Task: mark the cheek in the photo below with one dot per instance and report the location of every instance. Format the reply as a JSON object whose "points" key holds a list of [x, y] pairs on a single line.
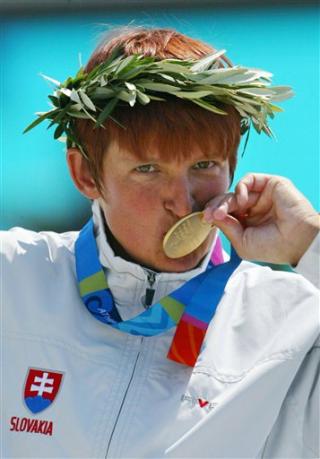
{"points": [[223, 181], [222, 184], [132, 213], [212, 187], [133, 200], [143, 203]]}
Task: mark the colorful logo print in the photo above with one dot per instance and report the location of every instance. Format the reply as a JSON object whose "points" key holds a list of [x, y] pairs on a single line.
{"points": [[41, 388]]}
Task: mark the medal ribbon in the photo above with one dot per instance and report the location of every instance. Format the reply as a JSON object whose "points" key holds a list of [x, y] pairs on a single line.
{"points": [[190, 307]]}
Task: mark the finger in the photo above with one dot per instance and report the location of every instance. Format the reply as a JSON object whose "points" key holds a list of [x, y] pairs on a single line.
{"points": [[219, 207], [246, 200], [233, 230], [254, 182], [250, 183], [242, 194], [223, 205], [264, 185]]}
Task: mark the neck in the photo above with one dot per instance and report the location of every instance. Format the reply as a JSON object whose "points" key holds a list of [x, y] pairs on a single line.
{"points": [[118, 249]]}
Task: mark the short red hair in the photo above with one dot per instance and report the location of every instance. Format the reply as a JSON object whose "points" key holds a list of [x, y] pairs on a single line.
{"points": [[173, 126]]}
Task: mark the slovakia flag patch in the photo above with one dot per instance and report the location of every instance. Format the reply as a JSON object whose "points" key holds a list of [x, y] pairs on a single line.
{"points": [[41, 388]]}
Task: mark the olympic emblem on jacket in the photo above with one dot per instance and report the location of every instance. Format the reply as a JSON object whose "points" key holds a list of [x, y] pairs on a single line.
{"points": [[41, 388]]}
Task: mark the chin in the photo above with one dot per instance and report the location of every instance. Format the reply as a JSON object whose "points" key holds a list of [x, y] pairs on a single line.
{"points": [[186, 263], [192, 260], [160, 262]]}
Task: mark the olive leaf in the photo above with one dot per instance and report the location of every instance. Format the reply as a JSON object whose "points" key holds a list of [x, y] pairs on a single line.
{"points": [[122, 80]]}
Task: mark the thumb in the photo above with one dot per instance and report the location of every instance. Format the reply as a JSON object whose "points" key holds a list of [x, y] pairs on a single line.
{"points": [[232, 229]]}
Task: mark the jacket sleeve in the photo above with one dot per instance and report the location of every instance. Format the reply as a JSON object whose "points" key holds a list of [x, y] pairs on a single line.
{"points": [[295, 434], [309, 265]]}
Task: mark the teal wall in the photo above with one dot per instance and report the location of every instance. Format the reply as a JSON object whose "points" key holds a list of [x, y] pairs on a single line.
{"points": [[37, 192]]}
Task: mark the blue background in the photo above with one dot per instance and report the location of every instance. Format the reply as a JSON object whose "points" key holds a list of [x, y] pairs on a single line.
{"points": [[37, 192]]}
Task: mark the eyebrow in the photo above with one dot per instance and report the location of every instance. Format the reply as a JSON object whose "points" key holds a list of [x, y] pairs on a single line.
{"points": [[142, 157], [148, 157]]}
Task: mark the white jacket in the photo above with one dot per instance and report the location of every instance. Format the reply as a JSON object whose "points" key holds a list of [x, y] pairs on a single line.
{"points": [[253, 392]]}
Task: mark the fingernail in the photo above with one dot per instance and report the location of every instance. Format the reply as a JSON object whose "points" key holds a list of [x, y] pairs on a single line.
{"points": [[219, 214], [207, 215]]}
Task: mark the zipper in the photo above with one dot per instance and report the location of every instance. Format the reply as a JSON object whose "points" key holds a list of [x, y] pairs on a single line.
{"points": [[123, 400], [146, 301], [148, 297]]}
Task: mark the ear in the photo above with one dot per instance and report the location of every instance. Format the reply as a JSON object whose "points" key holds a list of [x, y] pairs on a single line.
{"points": [[81, 175]]}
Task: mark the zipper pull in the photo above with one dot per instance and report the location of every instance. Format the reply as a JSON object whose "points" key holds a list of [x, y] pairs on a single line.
{"points": [[148, 297]]}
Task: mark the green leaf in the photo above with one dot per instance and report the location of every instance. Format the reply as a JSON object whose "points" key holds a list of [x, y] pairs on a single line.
{"points": [[86, 100], [55, 82], [75, 97], [103, 93], [241, 78], [160, 87], [130, 86], [206, 62], [76, 107], [182, 63], [111, 104], [242, 112], [39, 120], [112, 59], [92, 118], [117, 122], [124, 64], [54, 100], [80, 74], [281, 93], [103, 81], [209, 107], [192, 94], [275, 108], [170, 68], [129, 97], [247, 129], [257, 92], [261, 73], [216, 90], [59, 130], [65, 91], [268, 131], [218, 75], [142, 98], [248, 109], [167, 77], [160, 99], [133, 73], [61, 114], [247, 101], [75, 114], [51, 124]]}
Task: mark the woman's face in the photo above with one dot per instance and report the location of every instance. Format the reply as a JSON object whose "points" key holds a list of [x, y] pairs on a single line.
{"points": [[141, 200]]}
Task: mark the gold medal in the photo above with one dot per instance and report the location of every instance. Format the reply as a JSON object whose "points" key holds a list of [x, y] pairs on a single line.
{"points": [[186, 235]]}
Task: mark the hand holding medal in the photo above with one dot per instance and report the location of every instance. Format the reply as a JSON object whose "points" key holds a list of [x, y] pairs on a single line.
{"points": [[258, 218]]}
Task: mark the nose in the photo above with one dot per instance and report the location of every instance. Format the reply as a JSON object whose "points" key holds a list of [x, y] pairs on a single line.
{"points": [[178, 196]]}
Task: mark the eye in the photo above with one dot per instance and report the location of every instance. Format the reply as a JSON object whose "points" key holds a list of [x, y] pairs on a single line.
{"points": [[146, 168], [204, 165]]}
